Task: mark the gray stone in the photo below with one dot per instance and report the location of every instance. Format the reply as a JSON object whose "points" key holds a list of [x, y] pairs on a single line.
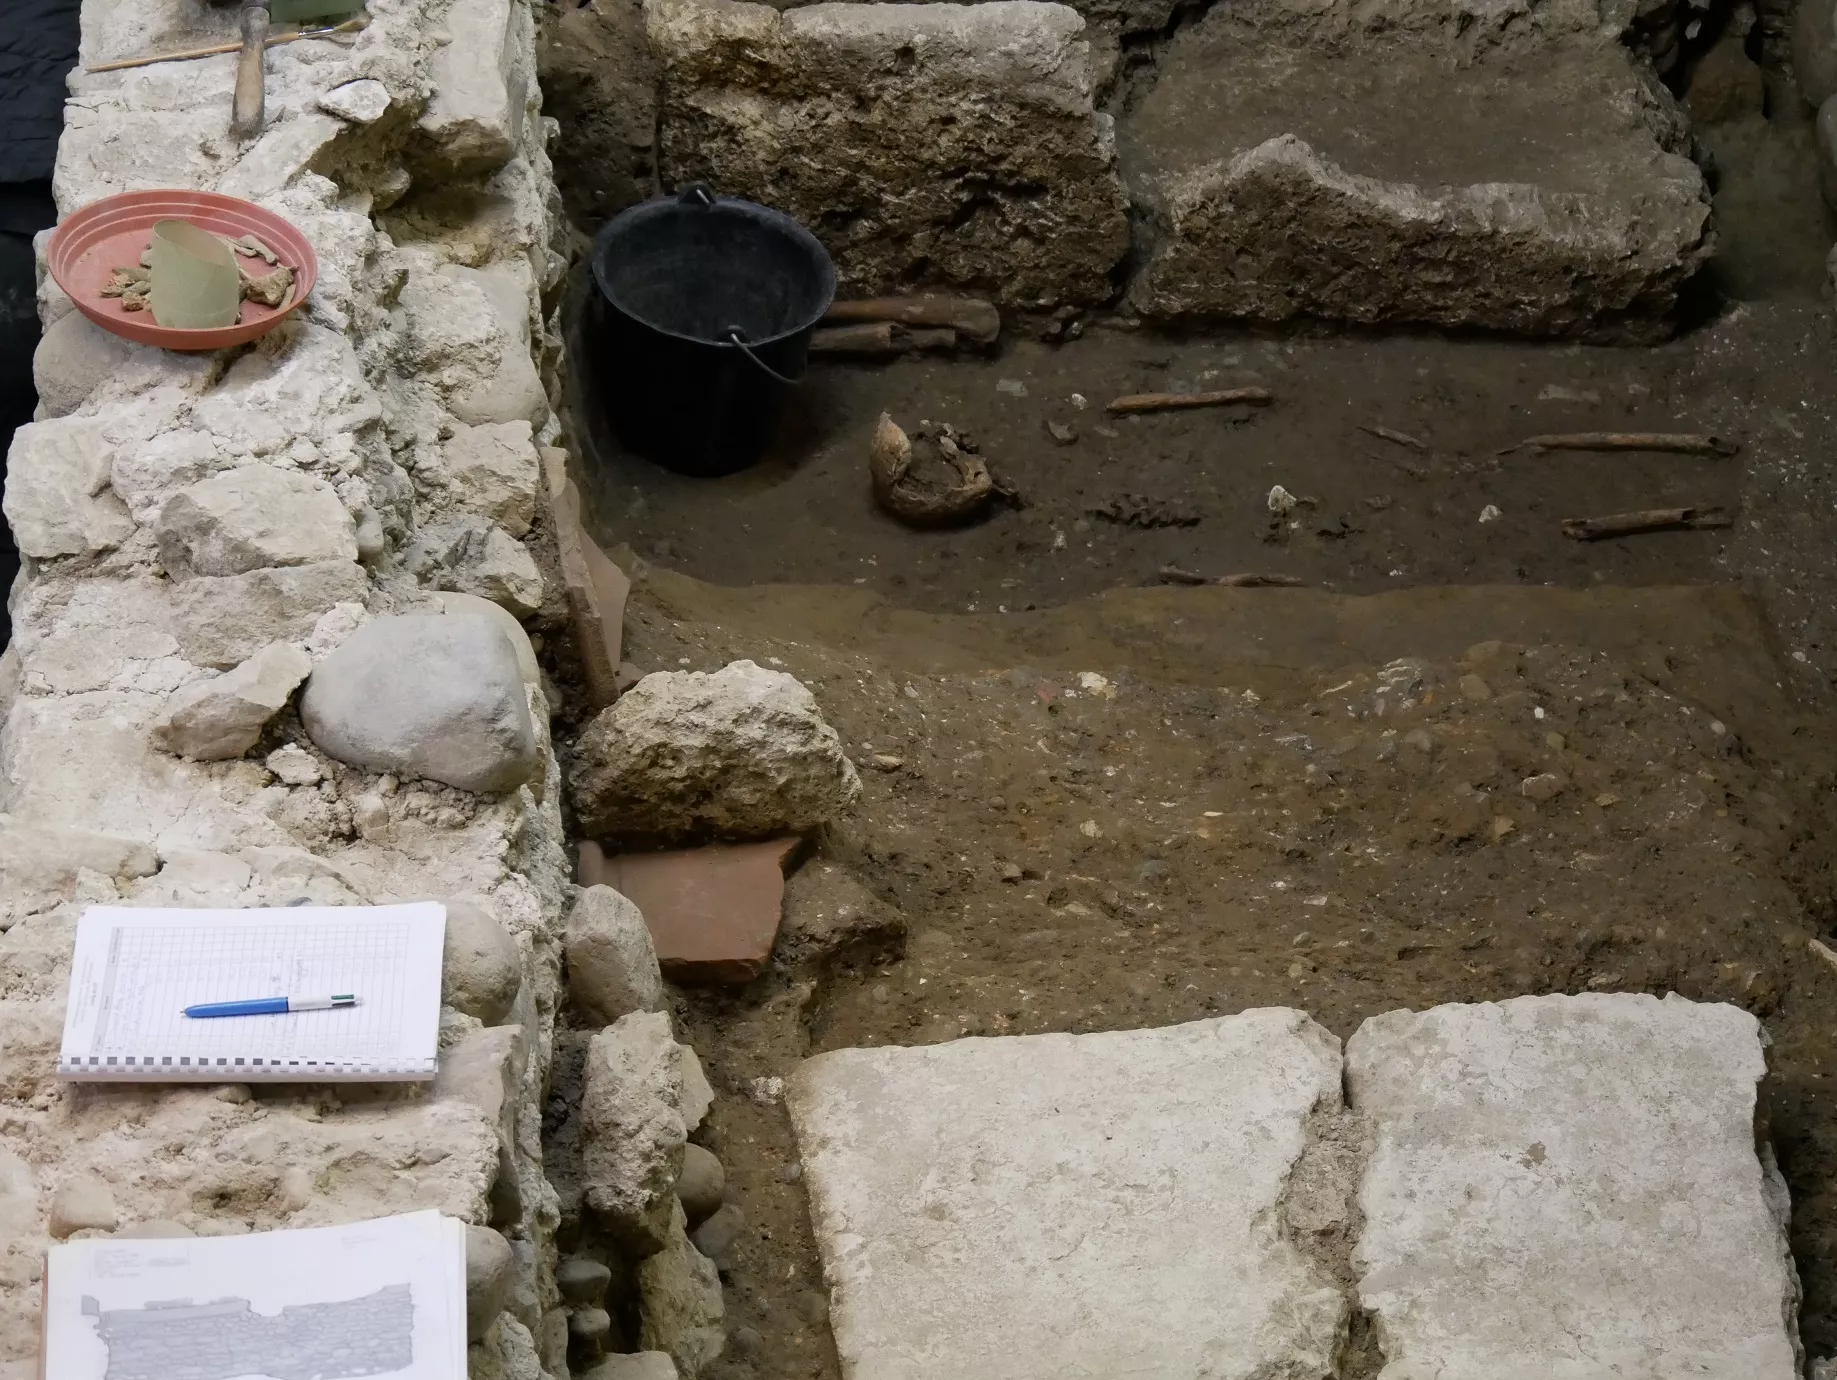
{"points": [[717, 1237], [680, 1309], [1305, 167], [454, 602], [493, 472], [702, 1186], [438, 696], [293, 765], [252, 517], [612, 965], [1053, 1205], [1814, 50], [632, 1132], [223, 717], [473, 556], [490, 1270], [589, 1325], [223, 619], [481, 967], [82, 1203], [58, 500], [583, 1282], [904, 184], [74, 356], [639, 1365], [742, 752], [1626, 1227]]}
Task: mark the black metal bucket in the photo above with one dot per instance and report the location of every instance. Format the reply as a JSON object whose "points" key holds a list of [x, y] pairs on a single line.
{"points": [[701, 326]]}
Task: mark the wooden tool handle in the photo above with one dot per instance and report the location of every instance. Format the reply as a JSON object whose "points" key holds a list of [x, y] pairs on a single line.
{"points": [[247, 109]]}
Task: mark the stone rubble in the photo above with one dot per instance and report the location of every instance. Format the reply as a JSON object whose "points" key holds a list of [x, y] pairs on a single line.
{"points": [[742, 752], [222, 717], [612, 965], [960, 143], [187, 518], [633, 1130]]}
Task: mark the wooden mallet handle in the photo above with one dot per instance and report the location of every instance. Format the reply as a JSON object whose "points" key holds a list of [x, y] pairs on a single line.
{"points": [[247, 109]]}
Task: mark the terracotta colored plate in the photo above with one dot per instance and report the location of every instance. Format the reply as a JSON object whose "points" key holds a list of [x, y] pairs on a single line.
{"points": [[115, 231]]}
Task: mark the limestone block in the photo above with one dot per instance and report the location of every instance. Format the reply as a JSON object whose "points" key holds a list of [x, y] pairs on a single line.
{"points": [[481, 967], [466, 331], [75, 357], [742, 751], [493, 471], [250, 518], [82, 1203], [489, 1270], [612, 965], [474, 119], [956, 145], [680, 1309], [1055, 1205], [1293, 171], [220, 620], [438, 696], [632, 1131], [472, 556], [454, 602], [697, 1095], [58, 501], [222, 717], [39, 865], [1627, 1227]]}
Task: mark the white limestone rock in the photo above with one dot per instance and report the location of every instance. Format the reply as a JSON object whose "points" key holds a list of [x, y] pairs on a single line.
{"points": [[632, 1132], [1568, 1186], [472, 556], [58, 501], [742, 752], [466, 333], [82, 1203], [481, 967], [223, 716], [481, 81], [220, 620], [1050, 1205], [493, 470], [697, 1095], [40, 865], [293, 765], [612, 964], [438, 696], [250, 518], [361, 102]]}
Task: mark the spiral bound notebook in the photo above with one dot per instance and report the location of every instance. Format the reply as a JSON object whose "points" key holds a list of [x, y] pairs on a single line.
{"points": [[136, 970]]}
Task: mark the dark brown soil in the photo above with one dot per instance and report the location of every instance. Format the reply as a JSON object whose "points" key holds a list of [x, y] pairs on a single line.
{"points": [[1275, 797]]}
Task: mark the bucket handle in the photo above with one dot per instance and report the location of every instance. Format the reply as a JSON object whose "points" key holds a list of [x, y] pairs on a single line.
{"points": [[737, 338], [696, 193]]}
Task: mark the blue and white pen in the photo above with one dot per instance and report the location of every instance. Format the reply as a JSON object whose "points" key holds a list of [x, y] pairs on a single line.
{"points": [[268, 1006]]}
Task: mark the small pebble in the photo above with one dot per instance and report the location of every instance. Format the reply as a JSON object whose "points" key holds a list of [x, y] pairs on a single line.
{"points": [[1473, 688], [1014, 388], [1556, 740], [1544, 786], [1011, 872], [746, 1342], [1061, 433], [886, 761], [716, 1237]]}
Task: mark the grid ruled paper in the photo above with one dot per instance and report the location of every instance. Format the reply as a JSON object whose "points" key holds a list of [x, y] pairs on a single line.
{"points": [[135, 970]]}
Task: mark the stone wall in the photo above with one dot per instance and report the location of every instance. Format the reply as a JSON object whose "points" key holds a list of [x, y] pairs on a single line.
{"points": [[198, 530]]}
